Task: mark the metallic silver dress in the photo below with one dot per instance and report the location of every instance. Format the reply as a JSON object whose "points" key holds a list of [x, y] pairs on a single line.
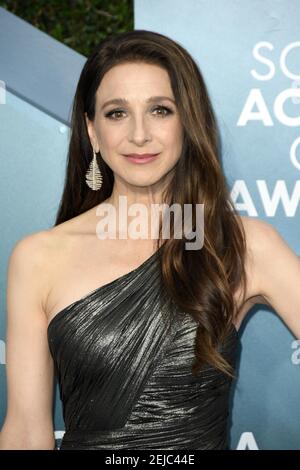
{"points": [[122, 356]]}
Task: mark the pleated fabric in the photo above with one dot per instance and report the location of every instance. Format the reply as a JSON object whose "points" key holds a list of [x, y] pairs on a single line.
{"points": [[123, 356]]}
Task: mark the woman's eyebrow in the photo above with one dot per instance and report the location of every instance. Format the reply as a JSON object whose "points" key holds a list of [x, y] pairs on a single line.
{"points": [[123, 101]]}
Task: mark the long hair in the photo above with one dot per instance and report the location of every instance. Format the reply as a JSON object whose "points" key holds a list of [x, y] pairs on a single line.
{"points": [[201, 282]]}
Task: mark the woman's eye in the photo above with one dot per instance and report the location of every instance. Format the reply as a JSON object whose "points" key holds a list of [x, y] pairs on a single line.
{"points": [[163, 108], [111, 113], [116, 112]]}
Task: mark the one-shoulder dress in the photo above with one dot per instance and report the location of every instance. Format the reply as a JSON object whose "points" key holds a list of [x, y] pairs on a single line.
{"points": [[122, 357]]}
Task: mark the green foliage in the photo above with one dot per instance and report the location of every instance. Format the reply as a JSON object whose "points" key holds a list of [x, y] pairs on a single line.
{"points": [[79, 24]]}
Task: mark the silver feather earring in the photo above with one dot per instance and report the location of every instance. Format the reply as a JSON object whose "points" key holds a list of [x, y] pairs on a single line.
{"points": [[93, 176]]}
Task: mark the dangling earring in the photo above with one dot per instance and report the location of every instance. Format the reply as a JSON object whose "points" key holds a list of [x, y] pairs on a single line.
{"points": [[93, 176]]}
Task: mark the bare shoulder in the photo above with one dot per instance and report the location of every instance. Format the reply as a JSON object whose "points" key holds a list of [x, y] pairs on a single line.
{"points": [[31, 247], [28, 260], [30, 251], [34, 263], [39, 247], [34, 249], [256, 229]]}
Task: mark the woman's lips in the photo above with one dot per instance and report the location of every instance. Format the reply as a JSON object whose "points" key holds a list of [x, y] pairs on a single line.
{"points": [[141, 158]]}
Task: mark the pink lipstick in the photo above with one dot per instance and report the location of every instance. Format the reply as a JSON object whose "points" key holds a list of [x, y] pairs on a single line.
{"points": [[141, 158]]}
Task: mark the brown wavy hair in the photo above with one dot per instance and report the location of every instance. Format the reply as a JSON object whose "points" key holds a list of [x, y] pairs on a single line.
{"points": [[201, 282]]}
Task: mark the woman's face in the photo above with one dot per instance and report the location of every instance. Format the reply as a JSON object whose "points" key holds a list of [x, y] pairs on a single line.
{"points": [[137, 125]]}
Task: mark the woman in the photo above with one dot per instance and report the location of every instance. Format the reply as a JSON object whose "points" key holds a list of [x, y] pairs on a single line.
{"points": [[142, 336]]}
